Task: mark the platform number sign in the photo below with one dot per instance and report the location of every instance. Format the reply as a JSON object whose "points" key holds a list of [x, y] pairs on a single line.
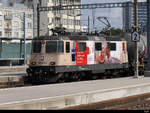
{"points": [[135, 36]]}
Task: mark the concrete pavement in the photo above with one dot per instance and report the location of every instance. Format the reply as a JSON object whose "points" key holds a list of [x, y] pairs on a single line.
{"points": [[71, 94]]}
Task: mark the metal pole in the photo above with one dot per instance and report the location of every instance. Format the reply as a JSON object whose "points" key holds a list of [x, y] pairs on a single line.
{"points": [[93, 16], [60, 4], [110, 32], [136, 43], [74, 23], [34, 22], [88, 24], [24, 38], [1, 42], [38, 21], [21, 48], [148, 35]]}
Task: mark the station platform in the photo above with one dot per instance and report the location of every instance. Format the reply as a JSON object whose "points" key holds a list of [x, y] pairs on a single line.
{"points": [[12, 76], [11, 79], [57, 96], [13, 69]]}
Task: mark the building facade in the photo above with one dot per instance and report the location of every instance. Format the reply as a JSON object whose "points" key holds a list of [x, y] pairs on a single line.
{"points": [[12, 22], [128, 17], [69, 19]]}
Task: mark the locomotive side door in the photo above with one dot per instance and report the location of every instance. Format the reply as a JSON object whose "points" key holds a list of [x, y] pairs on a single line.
{"points": [[67, 58]]}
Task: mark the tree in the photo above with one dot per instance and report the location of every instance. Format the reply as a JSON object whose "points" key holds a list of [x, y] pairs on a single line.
{"points": [[112, 32], [117, 31]]}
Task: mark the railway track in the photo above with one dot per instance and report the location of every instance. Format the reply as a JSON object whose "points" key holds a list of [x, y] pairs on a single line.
{"points": [[137, 102], [14, 84], [25, 82]]}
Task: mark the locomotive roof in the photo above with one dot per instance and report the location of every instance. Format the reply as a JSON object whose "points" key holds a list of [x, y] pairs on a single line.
{"points": [[82, 38]]}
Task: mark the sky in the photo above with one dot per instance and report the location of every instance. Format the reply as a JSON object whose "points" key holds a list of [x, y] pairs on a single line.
{"points": [[114, 15]]}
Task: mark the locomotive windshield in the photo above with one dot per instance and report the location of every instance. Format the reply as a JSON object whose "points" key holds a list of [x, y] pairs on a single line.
{"points": [[36, 46], [54, 47]]}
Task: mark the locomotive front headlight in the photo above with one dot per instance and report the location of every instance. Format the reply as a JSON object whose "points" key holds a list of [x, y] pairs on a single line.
{"points": [[33, 63], [52, 63]]}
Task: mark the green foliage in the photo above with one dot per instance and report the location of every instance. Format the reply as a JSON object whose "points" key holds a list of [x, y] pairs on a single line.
{"points": [[112, 32], [116, 31]]}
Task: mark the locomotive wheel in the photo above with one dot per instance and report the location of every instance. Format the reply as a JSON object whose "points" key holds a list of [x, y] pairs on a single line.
{"points": [[95, 77]]}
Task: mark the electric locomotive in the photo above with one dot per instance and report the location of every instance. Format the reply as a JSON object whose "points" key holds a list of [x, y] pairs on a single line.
{"points": [[65, 58]]}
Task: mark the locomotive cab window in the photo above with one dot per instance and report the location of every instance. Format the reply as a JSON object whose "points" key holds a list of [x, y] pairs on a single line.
{"points": [[67, 47], [54, 47], [98, 46], [82, 46], [60, 47], [36, 45], [112, 46]]}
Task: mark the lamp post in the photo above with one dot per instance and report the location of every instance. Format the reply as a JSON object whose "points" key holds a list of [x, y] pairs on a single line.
{"points": [[25, 52]]}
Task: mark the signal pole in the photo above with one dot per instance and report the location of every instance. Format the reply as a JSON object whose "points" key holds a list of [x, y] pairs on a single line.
{"points": [[88, 24], [147, 72], [136, 43]]}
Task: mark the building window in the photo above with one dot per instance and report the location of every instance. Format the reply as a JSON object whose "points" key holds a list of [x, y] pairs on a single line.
{"points": [[7, 24], [29, 16], [8, 13], [1, 23], [29, 25], [0, 33], [22, 34], [22, 26], [1, 13], [16, 24], [16, 14], [8, 34], [29, 35], [16, 34]]}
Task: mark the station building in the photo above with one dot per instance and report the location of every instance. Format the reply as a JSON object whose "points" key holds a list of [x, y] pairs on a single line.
{"points": [[12, 22], [69, 19]]}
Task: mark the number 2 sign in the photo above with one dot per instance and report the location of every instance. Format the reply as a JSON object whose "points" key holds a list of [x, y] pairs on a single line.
{"points": [[135, 36]]}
